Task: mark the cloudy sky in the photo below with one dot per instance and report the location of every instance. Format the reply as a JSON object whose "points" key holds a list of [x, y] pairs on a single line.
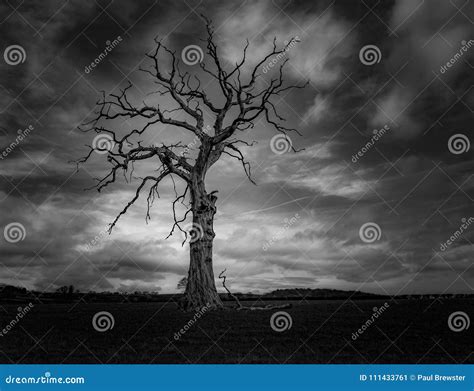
{"points": [[301, 225]]}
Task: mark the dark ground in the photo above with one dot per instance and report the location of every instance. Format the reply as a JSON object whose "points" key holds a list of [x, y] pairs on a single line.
{"points": [[409, 331]]}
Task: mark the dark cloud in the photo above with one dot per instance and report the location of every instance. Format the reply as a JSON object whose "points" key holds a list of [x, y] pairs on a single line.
{"points": [[300, 226]]}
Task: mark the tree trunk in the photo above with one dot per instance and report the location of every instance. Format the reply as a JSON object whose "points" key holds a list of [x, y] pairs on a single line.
{"points": [[200, 288]]}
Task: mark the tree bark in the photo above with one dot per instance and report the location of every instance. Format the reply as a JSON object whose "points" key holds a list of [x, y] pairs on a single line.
{"points": [[201, 289]]}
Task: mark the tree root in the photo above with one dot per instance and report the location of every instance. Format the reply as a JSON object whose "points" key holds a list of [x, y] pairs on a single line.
{"points": [[241, 307]]}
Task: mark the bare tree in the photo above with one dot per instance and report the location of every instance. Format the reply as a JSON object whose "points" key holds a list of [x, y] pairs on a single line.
{"points": [[245, 97]]}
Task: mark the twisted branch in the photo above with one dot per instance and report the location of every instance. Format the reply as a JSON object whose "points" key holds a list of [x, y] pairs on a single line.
{"points": [[253, 98]]}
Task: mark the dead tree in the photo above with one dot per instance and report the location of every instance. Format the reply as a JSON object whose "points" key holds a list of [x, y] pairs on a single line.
{"points": [[245, 97]]}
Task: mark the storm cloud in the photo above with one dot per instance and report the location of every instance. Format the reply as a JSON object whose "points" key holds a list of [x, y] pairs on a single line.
{"points": [[300, 225]]}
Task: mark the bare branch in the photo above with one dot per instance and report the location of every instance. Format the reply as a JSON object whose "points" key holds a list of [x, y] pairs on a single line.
{"points": [[239, 307], [240, 157], [223, 277], [243, 103]]}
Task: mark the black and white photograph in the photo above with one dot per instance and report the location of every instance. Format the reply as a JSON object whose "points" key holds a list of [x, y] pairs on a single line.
{"points": [[236, 182]]}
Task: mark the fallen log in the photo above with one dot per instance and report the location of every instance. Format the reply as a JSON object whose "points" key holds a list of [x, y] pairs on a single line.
{"points": [[241, 307]]}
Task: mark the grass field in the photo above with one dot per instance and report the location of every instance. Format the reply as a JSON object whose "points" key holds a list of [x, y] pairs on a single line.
{"points": [[409, 331]]}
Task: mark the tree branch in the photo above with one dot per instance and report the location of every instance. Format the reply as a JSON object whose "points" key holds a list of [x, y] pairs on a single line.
{"points": [[243, 103]]}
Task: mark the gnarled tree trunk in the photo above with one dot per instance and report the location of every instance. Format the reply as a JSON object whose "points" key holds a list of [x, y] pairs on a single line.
{"points": [[201, 288]]}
